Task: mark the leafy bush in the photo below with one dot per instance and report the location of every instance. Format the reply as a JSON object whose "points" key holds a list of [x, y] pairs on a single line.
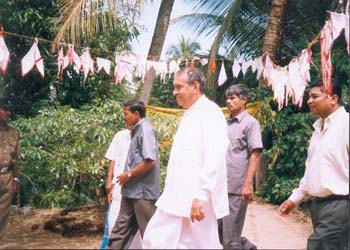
{"points": [[162, 92], [62, 152], [286, 158]]}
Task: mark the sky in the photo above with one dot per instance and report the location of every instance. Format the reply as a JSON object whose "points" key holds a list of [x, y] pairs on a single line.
{"points": [[148, 19]]}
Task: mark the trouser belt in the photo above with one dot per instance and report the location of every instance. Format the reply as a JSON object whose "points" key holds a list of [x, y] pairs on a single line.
{"points": [[333, 197]]}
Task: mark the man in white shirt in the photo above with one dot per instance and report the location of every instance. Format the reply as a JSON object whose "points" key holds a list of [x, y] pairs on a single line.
{"points": [[195, 192], [117, 153], [326, 176]]}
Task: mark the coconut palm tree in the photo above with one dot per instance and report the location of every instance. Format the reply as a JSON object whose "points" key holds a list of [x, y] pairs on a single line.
{"points": [[185, 48], [249, 28], [80, 20], [274, 29], [156, 47]]}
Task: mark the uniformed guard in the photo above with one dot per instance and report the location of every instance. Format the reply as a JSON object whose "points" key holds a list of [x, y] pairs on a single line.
{"points": [[9, 150]]}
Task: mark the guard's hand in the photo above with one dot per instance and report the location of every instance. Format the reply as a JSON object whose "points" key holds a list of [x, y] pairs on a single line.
{"points": [[123, 178], [286, 207], [197, 210], [110, 195], [109, 186], [15, 186], [247, 192]]}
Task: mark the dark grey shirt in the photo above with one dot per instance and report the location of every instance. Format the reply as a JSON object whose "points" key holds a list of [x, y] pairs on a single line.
{"points": [[244, 136], [143, 145]]}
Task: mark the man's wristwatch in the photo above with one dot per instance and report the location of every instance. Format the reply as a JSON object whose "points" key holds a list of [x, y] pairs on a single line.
{"points": [[16, 179], [129, 174]]}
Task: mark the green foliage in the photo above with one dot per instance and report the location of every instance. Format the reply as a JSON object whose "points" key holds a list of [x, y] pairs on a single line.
{"points": [[279, 187], [165, 128], [286, 135], [39, 19], [286, 158], [162, 93], [62, 152], [34, 19], [185, 48]]}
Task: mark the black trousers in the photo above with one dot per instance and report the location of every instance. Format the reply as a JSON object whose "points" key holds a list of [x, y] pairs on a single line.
{"points": [[330, 220], [134, 214]]}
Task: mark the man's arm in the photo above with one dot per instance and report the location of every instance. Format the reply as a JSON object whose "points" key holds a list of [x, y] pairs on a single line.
{"points": [[253, 164], [15, 183], [109, 185], [300, 193], [140, 169]]}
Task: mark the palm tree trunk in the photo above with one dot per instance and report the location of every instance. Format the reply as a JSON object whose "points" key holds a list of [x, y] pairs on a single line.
{"points": [[156, 47], [274, 28], [271, 43]]}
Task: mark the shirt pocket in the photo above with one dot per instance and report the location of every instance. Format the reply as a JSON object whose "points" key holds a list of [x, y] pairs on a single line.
{"points": [[12, 142], [239, 144]]}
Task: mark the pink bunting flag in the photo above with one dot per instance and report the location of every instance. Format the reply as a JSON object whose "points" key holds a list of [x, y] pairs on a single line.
{"points": [[103, 64], [4, 55], [236, 68], [31, 59], [173, 67], [60, 62], [70, 58], [222, 76], [87, 63], [326, 43]]}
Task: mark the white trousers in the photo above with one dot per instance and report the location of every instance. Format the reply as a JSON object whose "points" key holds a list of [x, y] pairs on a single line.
{"points": [[113, 215], [167, 231]]}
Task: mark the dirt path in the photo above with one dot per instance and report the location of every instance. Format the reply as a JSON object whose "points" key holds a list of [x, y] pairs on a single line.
{"points": [[263, 226], [267, 230]]}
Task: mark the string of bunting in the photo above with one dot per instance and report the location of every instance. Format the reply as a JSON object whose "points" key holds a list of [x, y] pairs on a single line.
{"points": [[286, 82]]}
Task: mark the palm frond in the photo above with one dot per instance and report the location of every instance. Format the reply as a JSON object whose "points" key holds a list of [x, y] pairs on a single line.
{"points": [[213, 6], [184, 48], [83, 19], [200, 24]]}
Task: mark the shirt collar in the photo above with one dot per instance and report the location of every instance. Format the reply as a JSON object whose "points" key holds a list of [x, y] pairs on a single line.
{"points": [[136, 126], [197, 103], [238, 118], [328, 120]]}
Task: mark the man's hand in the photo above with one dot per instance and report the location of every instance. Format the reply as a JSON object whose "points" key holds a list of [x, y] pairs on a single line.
{"points": [[110, 195], [247, 192], [109, 186], [15, 186], [197, 210], [123, 178], [286, 207]]}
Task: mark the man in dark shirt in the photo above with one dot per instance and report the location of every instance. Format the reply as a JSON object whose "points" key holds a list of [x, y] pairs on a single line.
{"points": [[9, 151], [140, 179], [242, 160]]}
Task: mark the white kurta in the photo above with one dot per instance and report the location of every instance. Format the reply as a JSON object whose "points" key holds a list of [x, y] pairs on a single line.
{"points": [[196, 169], [197, 164]]}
